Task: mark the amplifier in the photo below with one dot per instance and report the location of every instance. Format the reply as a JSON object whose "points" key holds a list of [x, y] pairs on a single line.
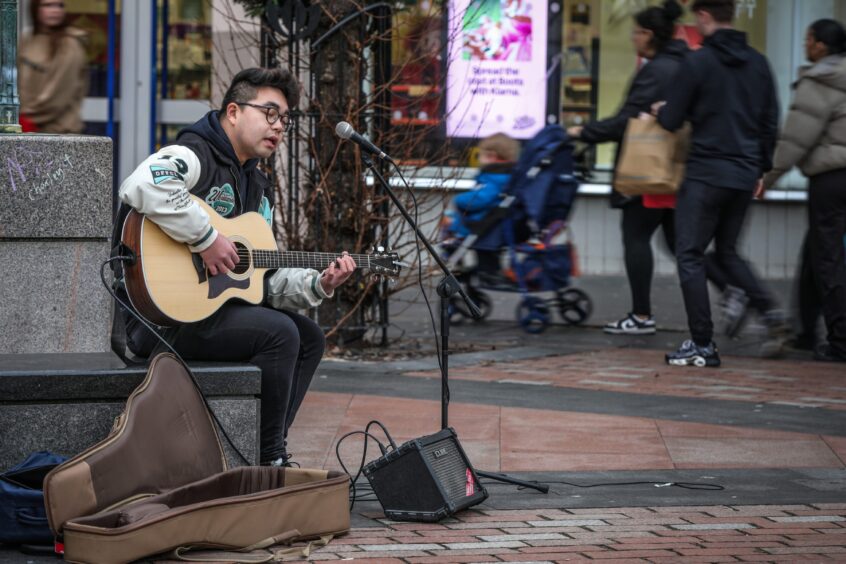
{"points": [[425, 479]]}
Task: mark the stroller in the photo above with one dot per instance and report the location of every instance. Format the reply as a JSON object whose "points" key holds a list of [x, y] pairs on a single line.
{"points": [[530, 224]]}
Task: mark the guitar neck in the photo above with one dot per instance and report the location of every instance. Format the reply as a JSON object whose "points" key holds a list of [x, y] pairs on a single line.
{"points": [[300, 259]]}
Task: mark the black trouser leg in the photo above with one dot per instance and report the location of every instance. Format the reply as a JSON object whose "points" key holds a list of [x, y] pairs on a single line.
{"points": [[286, 346], [735, 204], [715, 272], [638, 225], [827, 206], [810, 307], [697, 216]]}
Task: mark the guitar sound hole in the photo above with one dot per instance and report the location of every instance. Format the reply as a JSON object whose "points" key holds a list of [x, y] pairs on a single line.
{"points": [[244, 256]]}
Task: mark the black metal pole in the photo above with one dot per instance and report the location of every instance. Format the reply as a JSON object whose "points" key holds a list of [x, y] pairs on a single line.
{"points": [[448, 287]]}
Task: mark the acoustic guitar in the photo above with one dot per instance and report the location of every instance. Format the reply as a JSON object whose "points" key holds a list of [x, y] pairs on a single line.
{"points": [[168, 284]]}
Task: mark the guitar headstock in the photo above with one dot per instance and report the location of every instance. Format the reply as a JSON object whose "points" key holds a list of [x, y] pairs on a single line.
{"points": [[385, 263]]}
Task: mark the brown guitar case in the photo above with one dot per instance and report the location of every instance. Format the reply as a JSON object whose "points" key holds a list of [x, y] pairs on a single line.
{"points": [[159, 483]]}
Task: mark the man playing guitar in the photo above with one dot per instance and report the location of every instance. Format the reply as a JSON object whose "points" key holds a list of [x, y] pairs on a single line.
{"points": [[216, 160]]}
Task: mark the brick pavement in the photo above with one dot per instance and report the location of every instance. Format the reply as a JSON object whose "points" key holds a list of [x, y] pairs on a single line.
{"points": [[642, 534], [779, 382]]}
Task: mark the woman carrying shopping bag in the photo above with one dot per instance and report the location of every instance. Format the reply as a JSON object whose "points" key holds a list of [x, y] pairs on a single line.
{"points": [[652, 38]]}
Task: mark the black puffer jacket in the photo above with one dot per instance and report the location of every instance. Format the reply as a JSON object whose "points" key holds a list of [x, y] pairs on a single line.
{"points": [[649, 85]]}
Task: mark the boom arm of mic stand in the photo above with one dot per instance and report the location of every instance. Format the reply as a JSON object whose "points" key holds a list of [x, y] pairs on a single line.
{"points": [[453, 283]]}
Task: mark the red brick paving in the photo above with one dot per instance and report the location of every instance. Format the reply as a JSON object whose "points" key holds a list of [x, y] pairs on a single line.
{"points": [[804, 383], [515, 439], [709, 534]]}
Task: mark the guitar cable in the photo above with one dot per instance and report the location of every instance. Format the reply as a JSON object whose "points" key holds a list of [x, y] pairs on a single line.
{"points": [[131, 259], [420, 275]]}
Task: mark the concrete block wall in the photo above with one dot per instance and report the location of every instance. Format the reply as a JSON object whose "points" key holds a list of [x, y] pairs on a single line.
{"points": [[55, 227]]}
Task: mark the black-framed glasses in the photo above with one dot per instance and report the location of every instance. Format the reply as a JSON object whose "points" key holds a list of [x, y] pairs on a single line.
{"points": [[272, 114]]}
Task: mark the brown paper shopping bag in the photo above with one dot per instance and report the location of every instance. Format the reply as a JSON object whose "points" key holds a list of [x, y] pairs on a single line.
{"points": [[652, 159]]}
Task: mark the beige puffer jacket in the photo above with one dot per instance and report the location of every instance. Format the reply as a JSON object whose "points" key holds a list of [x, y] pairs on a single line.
{"points": [[814, 135], [51, 89]]}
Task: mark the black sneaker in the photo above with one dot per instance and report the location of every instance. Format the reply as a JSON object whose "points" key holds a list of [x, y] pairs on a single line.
{"points": [[735, 306], [825, 353], [690, 354], [802, 342], [631, 325]]}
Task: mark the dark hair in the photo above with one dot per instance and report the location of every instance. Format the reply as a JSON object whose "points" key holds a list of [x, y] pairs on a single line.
{"points": [[55, 33], [246, 83], [831, 34], [721, 10], [660, 21]]}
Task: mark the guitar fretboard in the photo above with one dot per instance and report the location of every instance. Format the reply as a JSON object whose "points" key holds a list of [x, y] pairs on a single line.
{"points": [[298, 259]]}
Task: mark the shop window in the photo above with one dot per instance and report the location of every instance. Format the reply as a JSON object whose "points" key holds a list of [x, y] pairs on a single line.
{"points": [[92, 17], [184, 49]]}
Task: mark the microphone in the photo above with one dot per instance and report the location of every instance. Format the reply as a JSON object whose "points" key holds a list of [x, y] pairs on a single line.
{"points": [[346, 131]]}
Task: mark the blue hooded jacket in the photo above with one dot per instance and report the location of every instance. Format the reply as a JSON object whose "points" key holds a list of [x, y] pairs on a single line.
{"points": [[473, 205]]}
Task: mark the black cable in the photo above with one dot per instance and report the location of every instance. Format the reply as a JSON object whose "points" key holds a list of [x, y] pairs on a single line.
{"points": [[353, 480], [683, 485], [384, 430], [367, 435], [420, 272], [170, 348]]}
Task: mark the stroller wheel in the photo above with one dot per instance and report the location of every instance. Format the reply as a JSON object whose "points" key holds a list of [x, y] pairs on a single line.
{"points": [[533, 315], [483, 300], [574, 306]]}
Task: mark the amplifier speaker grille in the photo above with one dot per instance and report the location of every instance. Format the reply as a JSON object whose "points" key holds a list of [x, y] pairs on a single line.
{"points": [[425, 479]]}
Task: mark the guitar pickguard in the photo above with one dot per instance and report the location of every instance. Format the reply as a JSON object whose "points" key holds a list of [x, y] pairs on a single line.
{"points": [[200, 267], [220, 283]]}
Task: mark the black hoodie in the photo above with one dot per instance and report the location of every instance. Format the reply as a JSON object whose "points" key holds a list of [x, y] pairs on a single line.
{"points": [[220, 167], [726, 90]]}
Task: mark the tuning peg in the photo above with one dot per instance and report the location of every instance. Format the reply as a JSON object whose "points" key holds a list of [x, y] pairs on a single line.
{"points": [[380, 249]]}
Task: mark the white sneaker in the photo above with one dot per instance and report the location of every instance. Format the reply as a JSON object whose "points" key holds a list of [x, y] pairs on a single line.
{"points": [[631, 325]]}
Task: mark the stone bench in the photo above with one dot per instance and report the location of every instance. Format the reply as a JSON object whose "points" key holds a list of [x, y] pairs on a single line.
{"points": [[66, 402], [60, 386]]}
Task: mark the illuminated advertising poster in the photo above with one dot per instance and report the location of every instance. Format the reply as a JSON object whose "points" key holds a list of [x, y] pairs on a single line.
{"points": [[496, 80]]}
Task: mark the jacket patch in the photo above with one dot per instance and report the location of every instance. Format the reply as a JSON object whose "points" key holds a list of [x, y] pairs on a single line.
{"points": [[222, 199], [266, 211], [160, 174]]}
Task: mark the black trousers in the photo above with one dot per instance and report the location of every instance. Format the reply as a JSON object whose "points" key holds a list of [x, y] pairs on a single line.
{"points": [[286, 346], [705, 213], [808, 295], [638, 225], [826, 226]]}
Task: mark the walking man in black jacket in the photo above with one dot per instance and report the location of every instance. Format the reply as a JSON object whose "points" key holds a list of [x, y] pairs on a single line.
{"points": [[726, 91]]}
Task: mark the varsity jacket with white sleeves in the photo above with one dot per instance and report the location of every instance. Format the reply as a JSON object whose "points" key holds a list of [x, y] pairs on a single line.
{"points": [[203, 164]]}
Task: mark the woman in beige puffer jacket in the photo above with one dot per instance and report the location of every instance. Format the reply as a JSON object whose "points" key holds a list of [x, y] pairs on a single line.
{"points": [[814, 139], [52, 71]]}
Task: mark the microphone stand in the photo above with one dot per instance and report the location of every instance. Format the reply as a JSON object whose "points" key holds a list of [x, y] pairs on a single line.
{"points": [[447, 288]]}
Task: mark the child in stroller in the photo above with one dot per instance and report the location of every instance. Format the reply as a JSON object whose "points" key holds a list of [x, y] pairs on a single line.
{"points": [[528, 220], [497, 156]]}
